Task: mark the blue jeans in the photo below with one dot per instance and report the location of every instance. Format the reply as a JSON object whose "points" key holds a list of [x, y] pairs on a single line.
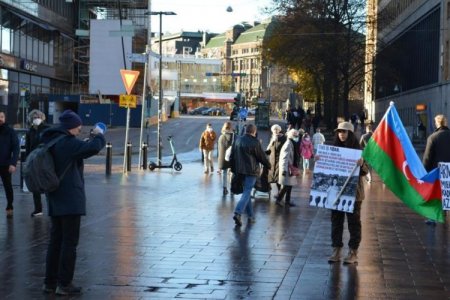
{"points": [[245, 201]]}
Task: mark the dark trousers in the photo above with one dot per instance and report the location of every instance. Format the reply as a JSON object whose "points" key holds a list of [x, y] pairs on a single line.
{"points": [[354, 227], [7, 185], [37, 202], [62, 250], [285, 190]]}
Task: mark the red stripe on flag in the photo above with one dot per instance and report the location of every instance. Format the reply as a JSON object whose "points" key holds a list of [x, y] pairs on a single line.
{"points": [[388, 141]]}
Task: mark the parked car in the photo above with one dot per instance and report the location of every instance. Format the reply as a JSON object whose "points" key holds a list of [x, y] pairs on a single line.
{"points": [[198, 110], [214, 111]]}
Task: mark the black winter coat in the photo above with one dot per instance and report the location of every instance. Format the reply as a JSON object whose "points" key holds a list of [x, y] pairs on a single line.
{"points": [[33, 137], [246, 156], [274, 156], [70, 197], [9, 146], [437, 148]]}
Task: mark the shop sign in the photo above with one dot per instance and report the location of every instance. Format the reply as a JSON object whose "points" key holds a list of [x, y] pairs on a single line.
{"points": [[29, 66]]}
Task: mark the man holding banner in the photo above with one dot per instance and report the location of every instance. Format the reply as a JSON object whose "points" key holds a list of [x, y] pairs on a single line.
{"points": [[438, 148]]}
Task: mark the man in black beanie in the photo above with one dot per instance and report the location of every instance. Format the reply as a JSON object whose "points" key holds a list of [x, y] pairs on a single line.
{"points": [[67, 204]]}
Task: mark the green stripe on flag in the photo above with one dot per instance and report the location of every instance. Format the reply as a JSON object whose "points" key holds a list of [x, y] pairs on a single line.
{"points": [[396, 181]]}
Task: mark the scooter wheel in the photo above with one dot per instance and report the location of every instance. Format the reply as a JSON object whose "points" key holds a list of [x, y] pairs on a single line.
{"points": [[177, 166], [152, 166]]}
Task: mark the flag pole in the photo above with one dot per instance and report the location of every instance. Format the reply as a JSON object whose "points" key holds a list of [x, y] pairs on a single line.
{"points": [[345, 184]]}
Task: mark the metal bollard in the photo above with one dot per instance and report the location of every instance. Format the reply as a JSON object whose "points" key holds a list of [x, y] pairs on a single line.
{"points": [[23, 157], [108, 158], [144, 156], [129, 147]]}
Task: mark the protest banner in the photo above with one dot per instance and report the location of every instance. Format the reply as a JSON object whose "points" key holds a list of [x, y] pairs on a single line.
{"points": [[335, 178], [444, 177]]}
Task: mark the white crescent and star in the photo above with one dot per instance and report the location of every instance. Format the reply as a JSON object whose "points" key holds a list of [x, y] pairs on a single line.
{"points": [[405, 164]]}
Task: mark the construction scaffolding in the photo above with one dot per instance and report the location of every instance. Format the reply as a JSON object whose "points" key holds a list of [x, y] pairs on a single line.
{"points": [[134, 10]]}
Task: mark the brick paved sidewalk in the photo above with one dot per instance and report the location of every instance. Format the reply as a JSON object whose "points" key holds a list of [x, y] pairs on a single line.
{"points": [[164, 235]]}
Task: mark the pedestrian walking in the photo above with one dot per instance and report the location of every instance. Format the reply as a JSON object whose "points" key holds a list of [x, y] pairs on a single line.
{"points": [[437, 148], [363, 143], [300, 116], [315, 122], [247, 155], [243, 113], [291, 118], [354, 119], [306, 151], [308, 123], [9, 153], [206, 146], [273, 150], [345, 137], [36, 118], [225, 141], [317, 139], [67, 203], [287, 176]]}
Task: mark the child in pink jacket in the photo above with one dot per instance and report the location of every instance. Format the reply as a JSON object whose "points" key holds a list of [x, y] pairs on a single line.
{"points": [[306, 150]]}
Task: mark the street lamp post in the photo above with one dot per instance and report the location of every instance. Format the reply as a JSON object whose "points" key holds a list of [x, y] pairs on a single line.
{"points": [[160, 96]]}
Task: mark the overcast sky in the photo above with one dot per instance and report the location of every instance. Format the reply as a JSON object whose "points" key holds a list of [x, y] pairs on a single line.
{"points": [[206, 15]]}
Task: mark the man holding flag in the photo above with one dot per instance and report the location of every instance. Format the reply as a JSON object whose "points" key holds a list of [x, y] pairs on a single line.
{"points": [[392, 156], [437, 148]]}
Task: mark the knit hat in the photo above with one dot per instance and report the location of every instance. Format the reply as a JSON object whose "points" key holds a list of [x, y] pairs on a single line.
{"points": [[69, 119]]}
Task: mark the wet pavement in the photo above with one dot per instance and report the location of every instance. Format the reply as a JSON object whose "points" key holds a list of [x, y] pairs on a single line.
{"points": [[165, 235]]}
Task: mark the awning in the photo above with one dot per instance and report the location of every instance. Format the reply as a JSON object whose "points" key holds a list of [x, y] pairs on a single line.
{"points": [[219, 97], [220, 100]]}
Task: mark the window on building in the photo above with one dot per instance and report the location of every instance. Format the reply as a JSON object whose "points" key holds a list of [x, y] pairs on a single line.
{"points": [[6, 40]]}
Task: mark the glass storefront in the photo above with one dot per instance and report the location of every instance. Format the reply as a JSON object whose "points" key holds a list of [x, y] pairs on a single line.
{"points": [[35, 60]]}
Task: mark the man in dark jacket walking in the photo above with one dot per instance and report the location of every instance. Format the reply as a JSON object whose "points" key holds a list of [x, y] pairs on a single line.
{"points": [[247, 154], [437, 148], [9, 153], [67, 204]]}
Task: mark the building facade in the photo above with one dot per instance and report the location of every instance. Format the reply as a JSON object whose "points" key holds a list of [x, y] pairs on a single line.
{"points": [[245, 68], [37, 41], [412, 60]]}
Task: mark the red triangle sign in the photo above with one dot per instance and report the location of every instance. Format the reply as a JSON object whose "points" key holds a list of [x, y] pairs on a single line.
{"points": [[129, 78]]}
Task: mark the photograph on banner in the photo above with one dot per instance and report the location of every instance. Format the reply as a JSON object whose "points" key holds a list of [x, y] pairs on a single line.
{"points": [[335, 173], [444, 177]]}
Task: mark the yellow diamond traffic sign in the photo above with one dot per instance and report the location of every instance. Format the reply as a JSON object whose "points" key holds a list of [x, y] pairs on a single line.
{"points": [[128, 101], [129, 78]]}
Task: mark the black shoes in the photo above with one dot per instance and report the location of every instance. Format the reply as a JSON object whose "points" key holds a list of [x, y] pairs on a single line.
{"points": [[225, 191], [68, 290], [36, 213], [48, 288], [237, 219]]}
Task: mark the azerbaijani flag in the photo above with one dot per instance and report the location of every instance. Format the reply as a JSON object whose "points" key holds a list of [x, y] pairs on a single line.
{"points": [[391, 154]]}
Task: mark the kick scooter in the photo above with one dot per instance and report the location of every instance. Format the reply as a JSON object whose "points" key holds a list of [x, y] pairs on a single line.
{"points": [[175, 164]]}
